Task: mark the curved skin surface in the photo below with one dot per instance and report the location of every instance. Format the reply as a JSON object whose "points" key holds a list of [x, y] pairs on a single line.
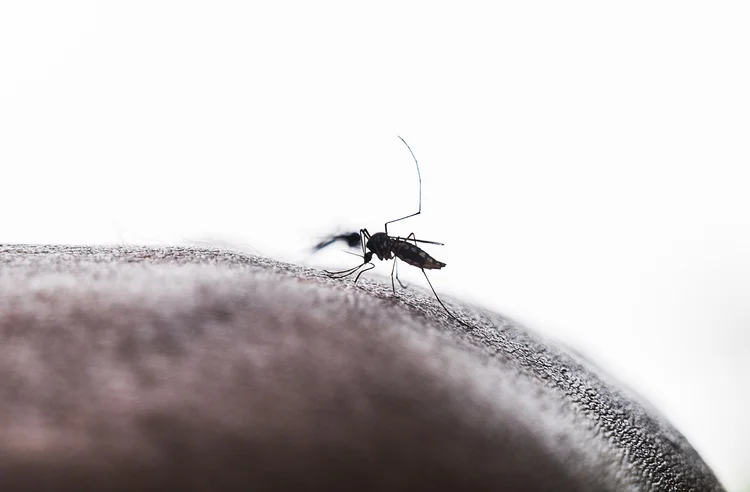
{"points": [[135, 368]]}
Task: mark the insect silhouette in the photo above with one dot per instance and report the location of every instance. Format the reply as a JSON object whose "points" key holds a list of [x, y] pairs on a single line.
{"points": [[387, 247]]}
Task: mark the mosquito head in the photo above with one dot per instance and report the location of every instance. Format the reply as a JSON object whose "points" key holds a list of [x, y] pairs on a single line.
{"points": [[378, 245], [367, 257]]}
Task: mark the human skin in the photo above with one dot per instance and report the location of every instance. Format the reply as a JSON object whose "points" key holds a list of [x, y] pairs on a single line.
{"points": [[129, 368]]}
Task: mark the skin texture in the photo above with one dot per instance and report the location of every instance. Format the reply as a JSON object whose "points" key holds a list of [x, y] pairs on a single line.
{"points": [[193, 369]]}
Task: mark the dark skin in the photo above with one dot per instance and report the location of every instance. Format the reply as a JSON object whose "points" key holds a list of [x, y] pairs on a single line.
{"points": [[183, 369]]}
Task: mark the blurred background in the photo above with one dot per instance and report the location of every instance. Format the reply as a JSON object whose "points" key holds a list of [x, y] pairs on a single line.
{"points": [[585, 163]]}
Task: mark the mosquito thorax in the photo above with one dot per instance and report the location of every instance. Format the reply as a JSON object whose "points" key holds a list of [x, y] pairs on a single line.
{"points": [[378, 244]]}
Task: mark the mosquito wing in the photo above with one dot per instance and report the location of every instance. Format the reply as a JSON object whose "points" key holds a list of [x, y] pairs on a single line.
{"points": [[410, 239], [352, 240]]}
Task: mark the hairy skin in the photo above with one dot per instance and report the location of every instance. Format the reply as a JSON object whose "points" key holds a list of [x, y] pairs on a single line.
{"points": [[193, 369]]}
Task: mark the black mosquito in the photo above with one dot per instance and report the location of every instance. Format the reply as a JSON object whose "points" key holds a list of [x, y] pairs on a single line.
{"points": [[387, 247]]}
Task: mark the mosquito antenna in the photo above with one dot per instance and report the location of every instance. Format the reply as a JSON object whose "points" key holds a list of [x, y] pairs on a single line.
{"points": [[419, 175]]}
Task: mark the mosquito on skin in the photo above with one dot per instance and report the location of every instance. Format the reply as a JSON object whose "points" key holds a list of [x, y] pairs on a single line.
{"points": [[387, 247]]}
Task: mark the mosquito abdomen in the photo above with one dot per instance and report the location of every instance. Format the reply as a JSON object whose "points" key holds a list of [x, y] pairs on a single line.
{"points": [[414, 255]]}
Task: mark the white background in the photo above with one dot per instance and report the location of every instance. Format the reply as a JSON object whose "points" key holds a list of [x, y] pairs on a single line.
{"points": [[584, 162]]}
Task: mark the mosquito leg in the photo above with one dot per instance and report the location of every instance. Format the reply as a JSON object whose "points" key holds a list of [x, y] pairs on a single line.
{"points": [[344, 273], [395, 269], [419, 175], [393, 285], [364, 236], [403, 285], [402, 218], [363, 271], [441, 302]]}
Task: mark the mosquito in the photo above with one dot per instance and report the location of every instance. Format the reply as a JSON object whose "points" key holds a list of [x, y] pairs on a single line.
{"points": [[387, 247]]}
